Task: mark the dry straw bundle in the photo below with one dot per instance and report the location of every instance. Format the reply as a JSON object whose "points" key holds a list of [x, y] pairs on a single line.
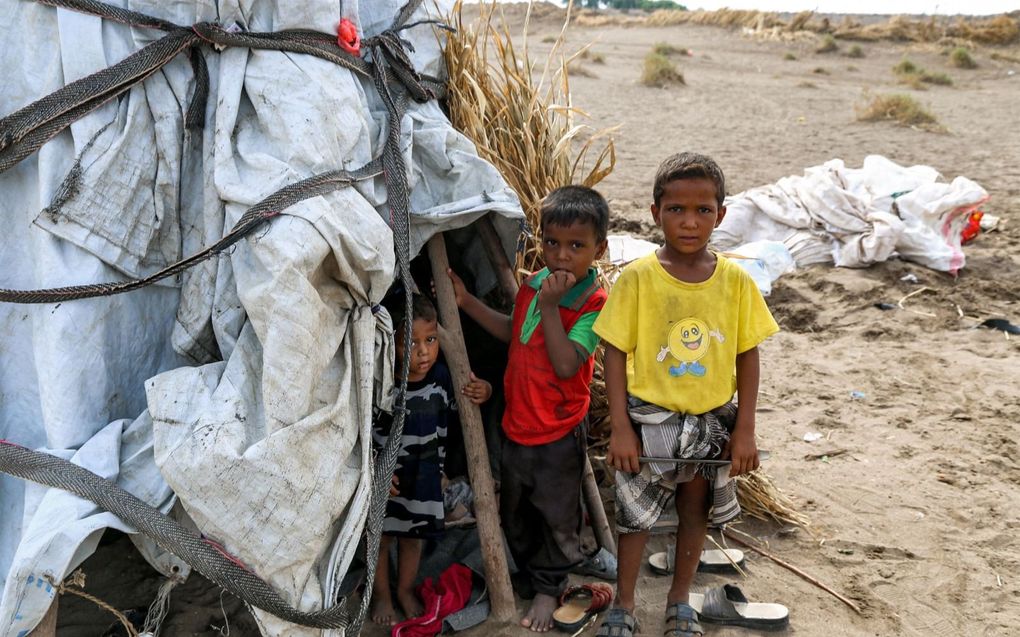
{"points": [[527, 129]]}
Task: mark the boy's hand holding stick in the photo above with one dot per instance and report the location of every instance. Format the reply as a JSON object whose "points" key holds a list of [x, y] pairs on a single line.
{"points": [[742, 451], [477, 390], [624, 452], [624, 445]]}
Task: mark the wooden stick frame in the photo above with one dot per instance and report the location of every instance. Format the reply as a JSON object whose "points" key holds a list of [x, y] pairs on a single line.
{"points": [[451, 340]]}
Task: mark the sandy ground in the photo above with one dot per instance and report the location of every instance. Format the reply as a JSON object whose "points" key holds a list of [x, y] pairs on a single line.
{"points": [[913, 511], [914, 508]]}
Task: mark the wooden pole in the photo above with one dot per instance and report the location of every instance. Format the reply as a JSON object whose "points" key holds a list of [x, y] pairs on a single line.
{"points": [[589, 488], [596, 511], [48, 626], [497, 257], [451, 339], [792, 569]]}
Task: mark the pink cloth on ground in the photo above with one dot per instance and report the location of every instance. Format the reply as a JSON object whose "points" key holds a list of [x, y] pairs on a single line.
{"points": [[445, 597]]}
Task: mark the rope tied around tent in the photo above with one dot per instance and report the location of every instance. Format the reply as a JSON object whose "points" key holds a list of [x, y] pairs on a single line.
{"points": [[26, 130], [252, 219], [74, 584], [167, 533]]}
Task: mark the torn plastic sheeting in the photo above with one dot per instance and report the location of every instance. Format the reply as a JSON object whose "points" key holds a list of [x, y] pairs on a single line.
{"points": [[764, 261], [284, 354], [855, 217]]}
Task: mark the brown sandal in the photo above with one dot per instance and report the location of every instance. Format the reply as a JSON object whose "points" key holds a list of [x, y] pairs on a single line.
{"points": [[578, 604]]}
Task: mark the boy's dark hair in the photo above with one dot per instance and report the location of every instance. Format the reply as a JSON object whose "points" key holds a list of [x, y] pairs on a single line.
{"points": [[421, 308], [570, 204], [689, 166]]}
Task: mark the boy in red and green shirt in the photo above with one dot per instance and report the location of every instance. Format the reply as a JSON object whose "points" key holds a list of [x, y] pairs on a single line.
{"points": [[547, 393]]}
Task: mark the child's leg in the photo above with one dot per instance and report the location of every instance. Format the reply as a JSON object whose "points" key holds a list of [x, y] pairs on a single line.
{"points": [[555, 469], [516, 515], [692, 513], [408, 558], [630, 548], [382, 611]]}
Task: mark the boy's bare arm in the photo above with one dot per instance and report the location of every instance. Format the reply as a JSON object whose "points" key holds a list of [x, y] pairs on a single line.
{"points": [[565, 355], [743, 449], [492, 321], [624, 445]]}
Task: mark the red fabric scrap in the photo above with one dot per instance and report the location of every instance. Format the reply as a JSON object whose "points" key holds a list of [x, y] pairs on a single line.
{"points": [[447, 596], [347, 37]]}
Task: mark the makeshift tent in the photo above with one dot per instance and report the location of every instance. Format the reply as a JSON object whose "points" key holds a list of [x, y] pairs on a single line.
{"points": [[241, 388]]}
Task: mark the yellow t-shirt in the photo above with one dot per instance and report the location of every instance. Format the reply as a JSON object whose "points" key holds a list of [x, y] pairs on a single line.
{"points": [[682, 339]]}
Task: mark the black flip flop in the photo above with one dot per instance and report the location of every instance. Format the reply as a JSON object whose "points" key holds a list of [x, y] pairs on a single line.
{"points": [[726, 605]]}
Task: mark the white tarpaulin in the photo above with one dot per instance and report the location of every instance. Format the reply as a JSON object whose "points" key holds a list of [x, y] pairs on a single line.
{"points": [[856, 217], [245, 385]]}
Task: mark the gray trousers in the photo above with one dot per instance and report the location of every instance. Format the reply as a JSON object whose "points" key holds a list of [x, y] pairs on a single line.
{"points": [[540, 507]]}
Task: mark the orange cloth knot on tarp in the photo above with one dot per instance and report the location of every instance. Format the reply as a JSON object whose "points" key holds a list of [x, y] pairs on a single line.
{"points": [[347, 37]]}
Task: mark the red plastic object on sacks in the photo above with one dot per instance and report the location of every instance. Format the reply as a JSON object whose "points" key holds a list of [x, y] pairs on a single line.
{"points": [[347, 37], [973, 227]]}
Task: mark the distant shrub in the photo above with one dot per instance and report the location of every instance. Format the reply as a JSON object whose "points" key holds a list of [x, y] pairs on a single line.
{"points": [[961, 59], [820, 70], [941, 79], [789, 56], [905, 67], [662, 48], [851, 68], [900, 108], [916, 77], [855, 51], [660, 71], [549, 39], [591, 56], [807, 85], [828, 44]]}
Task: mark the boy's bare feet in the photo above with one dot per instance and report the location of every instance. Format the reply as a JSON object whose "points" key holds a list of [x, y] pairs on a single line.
{"points": [[409, 604], [382, 611], [539, 617]]}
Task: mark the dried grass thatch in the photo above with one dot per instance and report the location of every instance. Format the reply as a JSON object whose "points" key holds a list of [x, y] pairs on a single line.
{"points": [[527, 129], [760, 498]]}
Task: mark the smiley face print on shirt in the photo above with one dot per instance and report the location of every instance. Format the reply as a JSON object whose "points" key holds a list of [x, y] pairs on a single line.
{"points": [[688, 341]]}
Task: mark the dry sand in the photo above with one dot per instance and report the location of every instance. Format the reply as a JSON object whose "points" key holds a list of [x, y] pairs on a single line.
{"points": [[914, 511]]}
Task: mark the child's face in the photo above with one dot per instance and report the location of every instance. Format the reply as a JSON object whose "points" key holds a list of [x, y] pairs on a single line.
{"points": [[687, 213], [571, 248], [424, 344]]}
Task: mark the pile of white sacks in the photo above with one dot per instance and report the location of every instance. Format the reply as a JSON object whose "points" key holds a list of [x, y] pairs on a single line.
{"points": [[845, 216]]}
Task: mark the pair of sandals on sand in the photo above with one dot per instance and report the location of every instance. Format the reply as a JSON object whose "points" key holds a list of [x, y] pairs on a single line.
{"points": [[723, 605]]}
